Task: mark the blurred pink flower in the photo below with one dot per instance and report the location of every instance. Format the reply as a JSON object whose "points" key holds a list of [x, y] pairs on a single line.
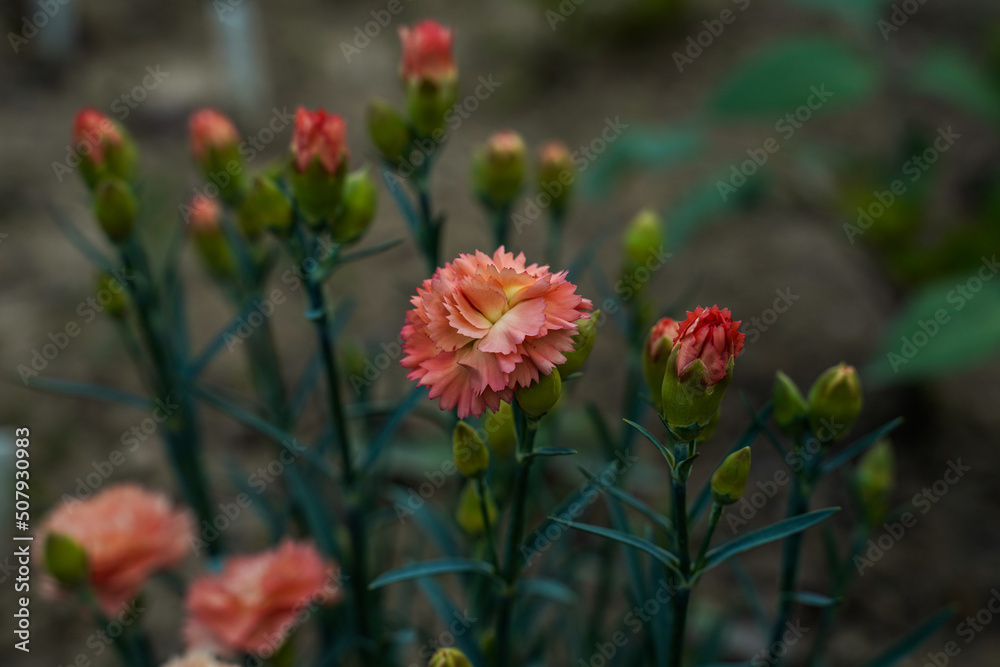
{"points": [[128, 534], [205, 215], [197, 659], [211, 129], [427, 53], [91, 129], [319, 135], [255, 601], [482, 327], [662, 338]]}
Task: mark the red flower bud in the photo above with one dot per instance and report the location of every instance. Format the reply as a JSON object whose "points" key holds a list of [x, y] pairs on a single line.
{"points": [[211, 131], [319, 136], [205, 215], [711, 336], [655, 352], [104, 147], [427, 53]]}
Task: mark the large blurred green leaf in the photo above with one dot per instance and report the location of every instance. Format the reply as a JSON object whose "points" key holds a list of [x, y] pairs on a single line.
{"points": [[968, 330], [864, 12], [950, 74], [639, 148], [779, 78]]}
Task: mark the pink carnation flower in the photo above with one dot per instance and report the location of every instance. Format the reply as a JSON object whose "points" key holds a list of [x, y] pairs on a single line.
{"points": [[211, 129], [255, 601], [484, 326], [198, 659], [128, 534], [427, 53]]}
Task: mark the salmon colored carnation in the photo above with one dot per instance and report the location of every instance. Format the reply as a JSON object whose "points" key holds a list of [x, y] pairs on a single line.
{"points": [[91, 129], [427, 53], [482, 327], [711, 336], [255, 601], [128, 533], [319, 136], [211, 130]]}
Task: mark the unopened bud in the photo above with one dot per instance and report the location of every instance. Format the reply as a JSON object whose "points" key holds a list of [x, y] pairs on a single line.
{"points": [[539, 397], [730, 479], [874, 479], [215, 147], [500, 431], [498, 168], [429, 75], [318, 163], [65, 560], [358, 210], [556, 174], [265, 207], [835, 402], [472, 457], [791, 412], [388, 130], [210, 241], [115, 208], [104, 147], [115, 299], [469, 514], [583, 344], [642, 240], [655, 352]]}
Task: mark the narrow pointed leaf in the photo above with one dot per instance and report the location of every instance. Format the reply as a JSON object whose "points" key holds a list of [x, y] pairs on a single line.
{"points": [[630, 500], [657, 552], [76, 237], [908, 644], [385, 435], [552, 451], [550, 589], [815, 599], [859, 447], [667, 454], [448, 612], [92, 391], [433, 568], [763, 536]]}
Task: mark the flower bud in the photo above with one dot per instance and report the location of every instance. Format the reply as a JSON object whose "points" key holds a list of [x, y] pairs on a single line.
{"points": [[388, 130], [429, 75], [104, 148], [655, 352], [358, 211], [699, 369], [730, 480], [539, 397], [556, 174], [115, 208], [834, 402], [215, 147], [500, 431], [498, 168], [319, 162], [874, 479], [469, 514], [710, 427], [265, 207], [791, 413], [65, 560], [111, 292], [583, 344], [449, 657], [209, 238], [642, 241], [472, 457]]}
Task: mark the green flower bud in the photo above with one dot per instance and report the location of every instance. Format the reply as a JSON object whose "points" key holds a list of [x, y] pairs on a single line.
{"points": [[498, 168], [318, 192], [874, 479], [388, 130], [65, 560], [112, 293], [642, 240], [791, 412], [472, 456], [539, 397], [115, 208], [583, 344], [360, 201], [690, 405], [209, 238], [469, 514], [265, 207], [730, 479], [500, 431], [556, 174], [834, 402], [427, 103], [449, 657], [215, 145], [104, 148]]}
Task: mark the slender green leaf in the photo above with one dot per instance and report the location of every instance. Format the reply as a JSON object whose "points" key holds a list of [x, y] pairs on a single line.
{"points": [[667, 454], [86, 248], [368, 252], [399, 415], [91, 391], [766, 535], [448, 613], [433, 568], [913, 640], [432, 525], [657, 552], [552, 451], [784, 75], [658, 519], [815, 599], [949, 73], [550, 589], [859, 446], [632, 565]]}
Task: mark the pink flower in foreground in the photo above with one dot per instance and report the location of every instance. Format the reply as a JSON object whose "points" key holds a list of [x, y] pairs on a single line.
{"points": [[319, 135], [198, 659], [211, 129], [709, 335], [128, 534], [482, 327], [427, 53], [255, 601]]}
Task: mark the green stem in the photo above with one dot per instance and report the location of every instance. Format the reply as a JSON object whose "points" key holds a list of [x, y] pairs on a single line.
{"points": [[501, 225], [553, 238], [526, 431], [682, 591], [482, 488], [713, 521]]}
